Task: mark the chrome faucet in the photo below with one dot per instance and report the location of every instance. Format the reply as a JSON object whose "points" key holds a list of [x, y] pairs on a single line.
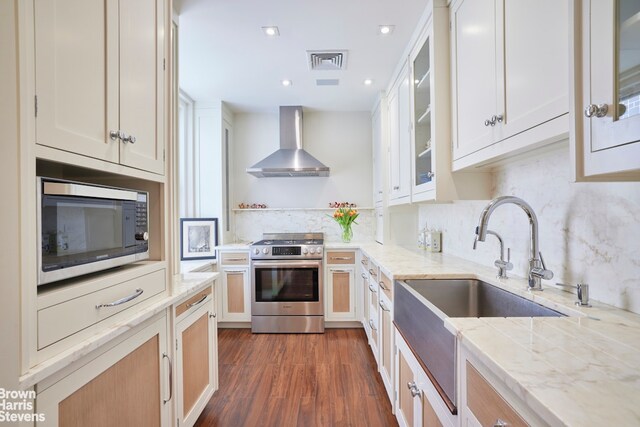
{"points": [[537, 268], [503, 266]]}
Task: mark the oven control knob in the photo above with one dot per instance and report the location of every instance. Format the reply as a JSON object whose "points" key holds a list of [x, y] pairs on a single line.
{"points": [[142, 236], [265, 251], [305, 251], [256, 251]]}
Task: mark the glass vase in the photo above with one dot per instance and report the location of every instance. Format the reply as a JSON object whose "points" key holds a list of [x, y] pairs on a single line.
{"points": [[347, 233]]}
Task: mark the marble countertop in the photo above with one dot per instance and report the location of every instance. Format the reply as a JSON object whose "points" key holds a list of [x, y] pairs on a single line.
{"points": [[196, 265], [183, 286], [580, 370]]}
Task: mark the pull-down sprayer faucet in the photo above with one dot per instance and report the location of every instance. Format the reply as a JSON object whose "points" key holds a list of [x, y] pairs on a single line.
{"points": [[537, 268]]}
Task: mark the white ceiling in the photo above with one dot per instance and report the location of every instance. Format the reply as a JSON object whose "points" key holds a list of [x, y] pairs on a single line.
{"points": [[223, 53]]}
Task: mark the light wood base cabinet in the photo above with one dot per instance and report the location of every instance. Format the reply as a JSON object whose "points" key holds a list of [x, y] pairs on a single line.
{"points": [[196, 357], [387, 345], [127, 384], [234, 294]]}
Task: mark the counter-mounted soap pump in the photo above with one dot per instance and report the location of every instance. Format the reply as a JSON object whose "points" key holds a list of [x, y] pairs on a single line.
{"points": [[537, 268]]}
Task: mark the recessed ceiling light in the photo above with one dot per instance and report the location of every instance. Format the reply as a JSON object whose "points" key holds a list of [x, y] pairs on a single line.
{"points": [[287, 82], [368, 82], [271, 31], [385, 30]]}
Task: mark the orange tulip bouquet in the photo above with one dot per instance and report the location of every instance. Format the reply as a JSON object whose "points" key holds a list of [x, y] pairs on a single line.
{"points": [[345, 216]]}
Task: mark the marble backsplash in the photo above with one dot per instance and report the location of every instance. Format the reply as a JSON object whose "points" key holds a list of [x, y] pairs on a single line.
{"points": [[589, 232], [250, 224]]}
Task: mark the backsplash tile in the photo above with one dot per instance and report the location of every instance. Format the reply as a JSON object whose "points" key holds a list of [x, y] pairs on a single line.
{"points": [[589, 232], [250, 224]]}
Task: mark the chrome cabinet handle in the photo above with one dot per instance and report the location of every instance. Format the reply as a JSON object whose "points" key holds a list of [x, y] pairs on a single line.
{"points": [[212, 315], [363, 276], [234, 259], [596, 110], [413, 388], [381, 283], [493, 120], [383, 307], [128, 298], [431, 174], [396, 187], [165, 401], [129, 138], [487, 122], [234, 271], [497, 118], [115, 134], [340, 258], [372, 289], [500, 423], [373, 273], [373, 328], [200, 301], [340, 271]]}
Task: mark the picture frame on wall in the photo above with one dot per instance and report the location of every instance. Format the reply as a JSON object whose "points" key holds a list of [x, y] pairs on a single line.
{"points": [[198, 238]]}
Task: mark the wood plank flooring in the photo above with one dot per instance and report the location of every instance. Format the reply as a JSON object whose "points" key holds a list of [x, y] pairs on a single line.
{"points": [[306, 380]]}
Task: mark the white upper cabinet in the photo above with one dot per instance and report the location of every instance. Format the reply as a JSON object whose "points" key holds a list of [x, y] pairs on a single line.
{"points": [[606, 108], [510, 85], [377, 132], [99, 79], [399, 139]]}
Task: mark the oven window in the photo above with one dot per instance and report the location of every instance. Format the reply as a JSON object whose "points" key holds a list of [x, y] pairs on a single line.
{"points": [[286, 284], [79, 230]]}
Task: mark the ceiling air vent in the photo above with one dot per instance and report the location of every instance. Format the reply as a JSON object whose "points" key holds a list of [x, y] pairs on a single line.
{"points": [[327, 82], [327, 60]]}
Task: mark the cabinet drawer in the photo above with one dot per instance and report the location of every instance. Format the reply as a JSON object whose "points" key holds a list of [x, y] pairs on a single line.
{"points": [[486, 404], [192, 302], [341, 257], [234, 258], [386, 285], [62, 320]]}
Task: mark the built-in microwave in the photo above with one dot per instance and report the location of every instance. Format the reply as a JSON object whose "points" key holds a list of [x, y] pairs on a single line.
{"points": [[84, 228]]}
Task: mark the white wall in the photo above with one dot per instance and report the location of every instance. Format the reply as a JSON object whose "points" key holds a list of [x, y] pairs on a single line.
{"points": [[341, 141], [589, 232]]}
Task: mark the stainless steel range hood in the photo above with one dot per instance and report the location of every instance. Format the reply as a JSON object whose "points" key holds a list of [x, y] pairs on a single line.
{"points": [[290, 160]]}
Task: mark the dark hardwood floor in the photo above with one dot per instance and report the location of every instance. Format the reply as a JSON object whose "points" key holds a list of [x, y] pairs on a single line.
{"points": [[286, 380]]}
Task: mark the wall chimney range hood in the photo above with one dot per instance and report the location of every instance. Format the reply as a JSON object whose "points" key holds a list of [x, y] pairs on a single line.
{"points": [[290, 160]]}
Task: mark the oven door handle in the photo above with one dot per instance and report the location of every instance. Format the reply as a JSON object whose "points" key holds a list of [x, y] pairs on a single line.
{"points": [[285, 264]]}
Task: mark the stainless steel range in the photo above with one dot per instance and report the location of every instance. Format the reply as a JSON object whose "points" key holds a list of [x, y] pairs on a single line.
{"points": [[286, 283]]}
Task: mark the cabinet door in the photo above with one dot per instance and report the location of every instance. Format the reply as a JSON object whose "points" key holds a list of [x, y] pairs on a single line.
{"points": [[422, 117], [76, 76], [341, 293], [372, 295], [123, 386], [406, 410], [376, 135], [365, 303], [195, 368], [386, 344], [533, 85], [474, 74], [236, 294], [399, 139], [611, 76], [142, 83]]}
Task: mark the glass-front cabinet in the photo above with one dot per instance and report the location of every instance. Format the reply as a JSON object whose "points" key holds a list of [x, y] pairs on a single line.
{"points": [[421, 80], [607, 107]]}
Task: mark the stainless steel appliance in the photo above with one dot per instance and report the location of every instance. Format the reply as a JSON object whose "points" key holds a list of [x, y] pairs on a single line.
{"points": [[84, 228], [286, 283]]}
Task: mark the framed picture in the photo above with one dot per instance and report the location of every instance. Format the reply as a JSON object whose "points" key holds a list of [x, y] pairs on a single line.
{"points": [[198, 238]]}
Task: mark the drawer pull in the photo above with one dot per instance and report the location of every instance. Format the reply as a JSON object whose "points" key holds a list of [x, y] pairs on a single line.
{"points": [[234, 271], [363, 276], [413, 388], [234, 259], [165, 401], [340, 271], [383, 307], [500, 423], [372, 289], [213, 315], [133, 296], [341, 258], [381, 283], [200, 301], [373, 273], [364, 262], [373, 328]]}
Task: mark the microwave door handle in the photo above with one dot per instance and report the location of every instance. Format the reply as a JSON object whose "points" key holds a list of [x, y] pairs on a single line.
{"points": [[79, 190]]}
